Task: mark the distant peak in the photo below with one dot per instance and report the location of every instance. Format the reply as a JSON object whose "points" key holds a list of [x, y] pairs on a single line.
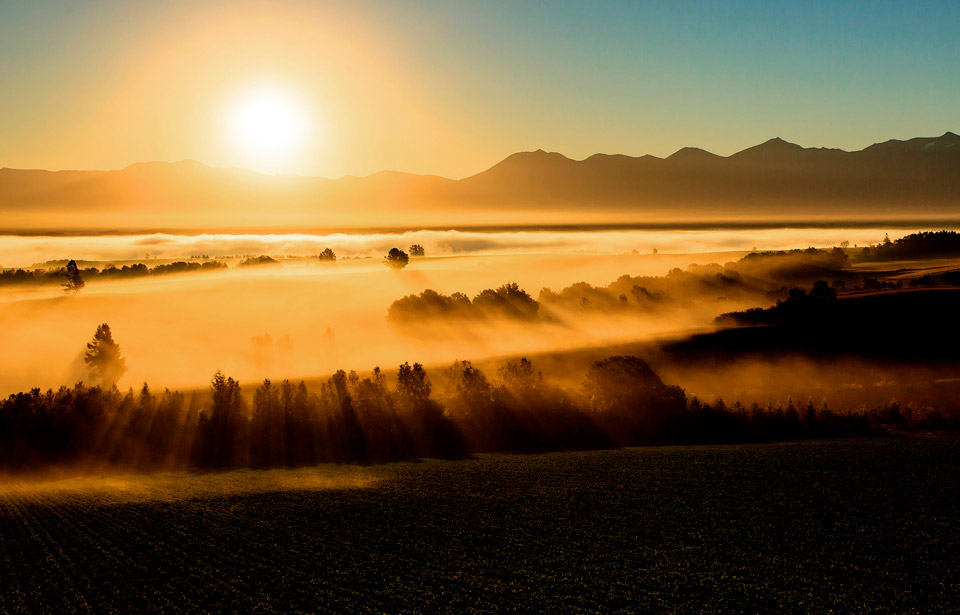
{"points": [[771, 147], [537, 161], [692, 153], [778, 142], [534, 156], [947, 140]]}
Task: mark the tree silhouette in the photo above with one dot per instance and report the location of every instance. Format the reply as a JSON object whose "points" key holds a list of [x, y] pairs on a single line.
{"points": [[103, 357], [623, 402], [396, 259], [74, 281], [507, 300], [631, 402], [416, 250], [520, 376], [327, 255], [221, 429], [253, 261], [434, 434], [412, 384]]}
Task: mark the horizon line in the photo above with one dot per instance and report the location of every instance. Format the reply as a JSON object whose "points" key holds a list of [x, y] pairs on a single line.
{"points": [[192, 161]]}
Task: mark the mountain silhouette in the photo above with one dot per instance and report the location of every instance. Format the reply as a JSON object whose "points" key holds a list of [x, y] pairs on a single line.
{"points": [[776, 178]]}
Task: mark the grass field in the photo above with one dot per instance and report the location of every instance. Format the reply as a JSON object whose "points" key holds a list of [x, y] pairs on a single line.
{"points": [[851, 526]]}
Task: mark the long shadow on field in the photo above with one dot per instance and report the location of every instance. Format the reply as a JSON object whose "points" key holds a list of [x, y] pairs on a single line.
{"points": [[813, 526]]}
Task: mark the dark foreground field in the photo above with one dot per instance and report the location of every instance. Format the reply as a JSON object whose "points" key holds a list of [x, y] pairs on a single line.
{"points": [[845, 526]]}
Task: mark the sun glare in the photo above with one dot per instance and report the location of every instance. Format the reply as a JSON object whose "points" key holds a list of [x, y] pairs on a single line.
{"points": [[269, 127]]}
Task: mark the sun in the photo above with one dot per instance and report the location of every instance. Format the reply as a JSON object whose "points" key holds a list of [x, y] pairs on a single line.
{"points": [[269, 127]]}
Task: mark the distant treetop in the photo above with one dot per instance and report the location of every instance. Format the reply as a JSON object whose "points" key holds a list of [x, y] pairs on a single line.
{"points": [[396, 259], [103, 357], [74, 281], [258, 260]]}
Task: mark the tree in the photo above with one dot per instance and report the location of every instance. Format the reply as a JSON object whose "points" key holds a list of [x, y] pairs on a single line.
{"points": [[327, 255], [520, 377], [396, 259], [413, 387], [103, 357], [507, 300], [434, 434], [630, 401], [416, 250], [74, 281], [221, 428], [253, 261], [472, 385]]}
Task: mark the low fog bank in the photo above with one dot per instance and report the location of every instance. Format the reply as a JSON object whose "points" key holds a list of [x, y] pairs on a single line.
{"points": [[296, 320], [28, 250], [305, 318], [631, 307]]}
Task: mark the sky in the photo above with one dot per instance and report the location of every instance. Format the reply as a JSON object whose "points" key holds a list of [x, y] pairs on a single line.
{"points": [[451, 87]]}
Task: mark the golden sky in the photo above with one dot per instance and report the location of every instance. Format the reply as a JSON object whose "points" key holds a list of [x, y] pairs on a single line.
{"points": [[450, 88]]}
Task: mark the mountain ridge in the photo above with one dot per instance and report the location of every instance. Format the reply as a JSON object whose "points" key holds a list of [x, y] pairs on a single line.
{"points": [[948, 139], [776, 176]]}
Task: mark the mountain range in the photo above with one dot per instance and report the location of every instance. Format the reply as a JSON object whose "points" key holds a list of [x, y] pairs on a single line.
{"points": [[772, 180]]}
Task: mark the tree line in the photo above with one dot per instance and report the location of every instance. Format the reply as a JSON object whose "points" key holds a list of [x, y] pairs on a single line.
{"points": [[916, 245], [354, 419], [758, 276], [506, 301], [73, 277]]}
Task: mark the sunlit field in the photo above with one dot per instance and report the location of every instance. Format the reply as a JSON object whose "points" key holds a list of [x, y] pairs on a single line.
{"points": [[844, 526]]}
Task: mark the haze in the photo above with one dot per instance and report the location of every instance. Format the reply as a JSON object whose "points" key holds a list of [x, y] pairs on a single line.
{"points": [[305, 318]]}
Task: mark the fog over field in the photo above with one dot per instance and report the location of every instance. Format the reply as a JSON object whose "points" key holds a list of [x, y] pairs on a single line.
{"points": [[23, 250], [178, 330], [306, 318]]}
